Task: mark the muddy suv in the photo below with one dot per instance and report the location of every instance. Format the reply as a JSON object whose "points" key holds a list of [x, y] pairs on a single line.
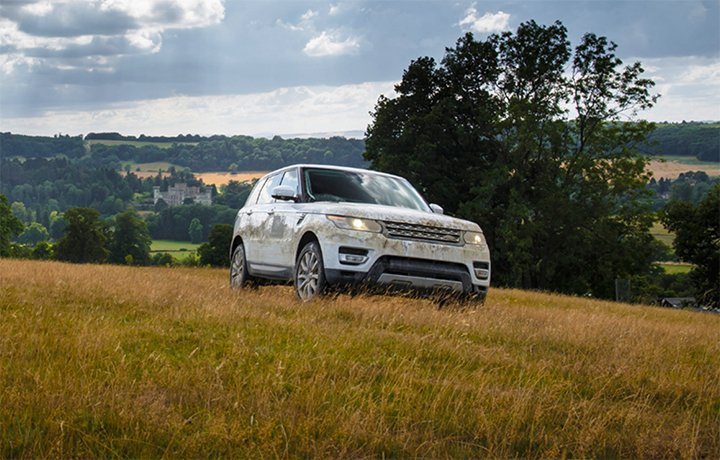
{"points": [[324, 226]]}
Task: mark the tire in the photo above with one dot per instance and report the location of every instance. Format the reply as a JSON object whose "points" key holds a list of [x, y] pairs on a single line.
{"points": [[239, 276], [310, 282]]}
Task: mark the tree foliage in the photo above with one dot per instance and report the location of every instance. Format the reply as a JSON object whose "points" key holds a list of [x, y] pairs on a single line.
{"points": [[33, 234], [174, 223], [216, 251], [9, 226], [130, 237], [195, 230], [85, 238], [697, 240], [696, 139], [15, 145], [488, 135], [219, 153], [234, 194]]}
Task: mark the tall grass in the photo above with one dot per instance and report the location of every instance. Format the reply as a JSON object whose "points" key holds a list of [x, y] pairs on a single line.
{"points": [[153, 362]]}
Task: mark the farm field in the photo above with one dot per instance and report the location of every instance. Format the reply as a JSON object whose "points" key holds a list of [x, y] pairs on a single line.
{"points": [[111, 361], [222, 178], [670, 167], [660, 233], [145, 170], [673, 268], [178, 249]]}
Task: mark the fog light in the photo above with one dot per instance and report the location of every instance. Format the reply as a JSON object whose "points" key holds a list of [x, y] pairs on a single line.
{"points": [[352, 259], [352, 256], [482, 273], [482, 270]]}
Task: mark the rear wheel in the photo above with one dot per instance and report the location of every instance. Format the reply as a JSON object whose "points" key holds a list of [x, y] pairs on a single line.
{"points": [[310, 280], [238, 268]]}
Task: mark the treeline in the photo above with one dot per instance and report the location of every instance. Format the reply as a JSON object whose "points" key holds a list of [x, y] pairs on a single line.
{"points": [[691, 187], [199, 153], [56, 184], [143, 138], [16, 145], [239, 153], [87, 238], [245, 153], [700, 140]]}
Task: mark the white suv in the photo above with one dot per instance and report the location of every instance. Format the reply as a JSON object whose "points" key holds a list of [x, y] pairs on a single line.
{"points": [[322, 226]]}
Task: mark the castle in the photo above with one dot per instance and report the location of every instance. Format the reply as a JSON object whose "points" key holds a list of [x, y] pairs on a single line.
{"points": [[178, 193]]}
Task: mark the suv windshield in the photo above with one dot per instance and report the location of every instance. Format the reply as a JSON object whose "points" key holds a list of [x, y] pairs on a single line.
{"points": [[359, 187]]}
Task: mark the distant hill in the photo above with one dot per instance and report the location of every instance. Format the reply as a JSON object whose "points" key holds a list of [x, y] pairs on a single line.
{"points": [[199, 153], [245, 153], [700, 140]]}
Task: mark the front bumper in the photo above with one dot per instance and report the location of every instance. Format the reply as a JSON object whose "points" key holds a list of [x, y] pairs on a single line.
{"points": [[406, 264], [403, 274]]}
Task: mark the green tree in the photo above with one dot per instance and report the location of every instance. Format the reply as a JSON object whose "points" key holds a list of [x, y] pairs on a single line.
{"points": [[234, 194], [697, 240], [488, 135], [163, 259], [216, 251], [130, 237], [43, 251], [33, 234], [84, 240], [195, 230], [21, 212], [9, 226], [57, 225]]}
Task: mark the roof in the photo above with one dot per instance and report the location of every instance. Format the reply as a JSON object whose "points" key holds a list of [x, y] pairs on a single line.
{"points": [[335, 167], [677, 302]]}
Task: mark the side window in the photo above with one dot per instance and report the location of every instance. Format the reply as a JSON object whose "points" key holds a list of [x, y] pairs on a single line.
{"points": [[290, 178], [265, 193]]}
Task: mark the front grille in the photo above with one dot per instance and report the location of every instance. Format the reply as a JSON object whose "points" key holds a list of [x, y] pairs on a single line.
{"points": [[422, 233]]}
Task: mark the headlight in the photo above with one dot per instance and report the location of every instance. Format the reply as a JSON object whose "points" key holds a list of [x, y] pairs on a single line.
{"points": [[355, 223], [475, 238]]}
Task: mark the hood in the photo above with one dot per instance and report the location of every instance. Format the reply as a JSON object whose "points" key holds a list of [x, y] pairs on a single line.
{"points": [[389, 213]]}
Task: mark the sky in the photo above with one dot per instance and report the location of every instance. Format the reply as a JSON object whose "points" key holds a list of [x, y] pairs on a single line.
{"points": [[263, 68]]}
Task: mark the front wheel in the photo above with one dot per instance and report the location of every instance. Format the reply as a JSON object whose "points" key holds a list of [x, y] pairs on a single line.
{"points": [[310, 280], [238, 268]]}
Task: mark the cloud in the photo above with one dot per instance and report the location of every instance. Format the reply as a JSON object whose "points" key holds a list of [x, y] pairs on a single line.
{"points": [[689, 88], [487, 23], [305, 22], [328, 43], [308, 15], [54, 31], [299, 109]]}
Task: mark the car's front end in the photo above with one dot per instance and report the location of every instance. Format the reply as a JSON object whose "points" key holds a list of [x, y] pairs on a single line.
{"points": [[400, 249]]}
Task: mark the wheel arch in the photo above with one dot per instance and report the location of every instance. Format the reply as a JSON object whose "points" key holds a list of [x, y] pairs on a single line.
{"points": [[306, 238], [237, 240]]}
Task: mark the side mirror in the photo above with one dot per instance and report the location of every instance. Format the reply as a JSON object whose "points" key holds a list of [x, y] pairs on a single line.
{"points": [[436, 208], [284, 193]]}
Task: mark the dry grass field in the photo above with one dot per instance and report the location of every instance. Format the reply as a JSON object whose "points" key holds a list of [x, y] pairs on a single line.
{"points": [[672, 167], [222, 178], [109, 361]]}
